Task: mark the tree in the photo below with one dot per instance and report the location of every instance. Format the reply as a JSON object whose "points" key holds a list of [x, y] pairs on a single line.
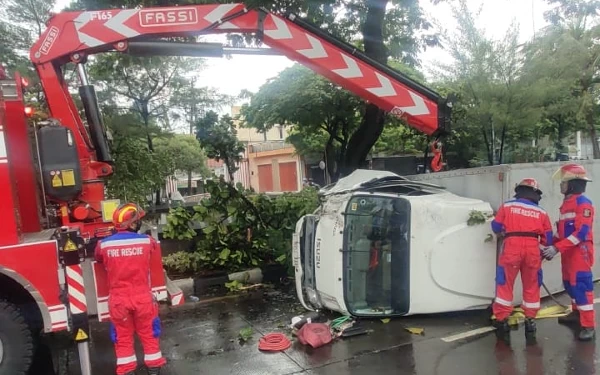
{"points": [[22, 23], [563, 62], [145, 83], [185, 154], [137, 172], [494, 104], [218, 137], [312, 103]]}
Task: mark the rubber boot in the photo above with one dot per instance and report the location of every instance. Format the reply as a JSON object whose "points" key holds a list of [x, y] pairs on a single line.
{"points": [[502, 330], [154, 371], [530, 328], [572, 318], [587, 334]]}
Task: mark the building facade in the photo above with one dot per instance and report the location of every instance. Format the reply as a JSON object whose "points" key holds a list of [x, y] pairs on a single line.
{"points": [[270, 164]]}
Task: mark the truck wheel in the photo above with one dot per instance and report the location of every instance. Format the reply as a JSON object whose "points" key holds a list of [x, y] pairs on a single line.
{"points": [[16, 343]]}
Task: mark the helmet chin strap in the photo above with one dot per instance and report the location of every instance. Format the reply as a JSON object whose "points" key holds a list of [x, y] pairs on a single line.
{"points": [[135, 227]]}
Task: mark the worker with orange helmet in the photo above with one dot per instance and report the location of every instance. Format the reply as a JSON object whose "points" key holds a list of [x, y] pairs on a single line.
{"points": [[522, 225], [575, 243], [133, 309]]}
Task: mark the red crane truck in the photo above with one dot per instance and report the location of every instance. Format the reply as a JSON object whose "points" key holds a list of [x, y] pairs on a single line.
{"points": [[54, 196]]}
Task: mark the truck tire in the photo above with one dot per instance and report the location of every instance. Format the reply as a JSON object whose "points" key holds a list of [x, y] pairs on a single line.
{"points": [[16, 342]]}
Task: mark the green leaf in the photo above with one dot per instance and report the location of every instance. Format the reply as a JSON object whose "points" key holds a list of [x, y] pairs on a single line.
{"points": [[224, 254]]}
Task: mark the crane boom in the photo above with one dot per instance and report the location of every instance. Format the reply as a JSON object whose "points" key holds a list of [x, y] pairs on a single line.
{"points": [[72, 33], [73, 36]]}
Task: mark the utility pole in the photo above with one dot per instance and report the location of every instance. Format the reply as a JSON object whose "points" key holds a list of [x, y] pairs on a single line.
{"points": [[193, 119]]}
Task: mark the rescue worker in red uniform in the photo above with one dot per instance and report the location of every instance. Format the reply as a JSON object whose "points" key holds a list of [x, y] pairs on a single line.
{"points": [[523, 225], [575, 243], [131, 304]]}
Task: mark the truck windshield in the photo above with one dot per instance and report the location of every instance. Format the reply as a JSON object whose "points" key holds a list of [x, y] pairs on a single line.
{"points": [[376, 255]]}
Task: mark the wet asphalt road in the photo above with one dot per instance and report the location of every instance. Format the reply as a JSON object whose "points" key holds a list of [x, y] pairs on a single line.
{"points": [[202, 338]]}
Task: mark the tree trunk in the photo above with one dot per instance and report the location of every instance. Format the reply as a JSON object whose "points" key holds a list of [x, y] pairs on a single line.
{"points": [[189, 182], [502, 138], [331, 162], [593, 134], [487, 146], [373, 120]]}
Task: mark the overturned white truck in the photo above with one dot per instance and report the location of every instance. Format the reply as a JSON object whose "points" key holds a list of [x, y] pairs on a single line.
{"points": [[385, 245]]}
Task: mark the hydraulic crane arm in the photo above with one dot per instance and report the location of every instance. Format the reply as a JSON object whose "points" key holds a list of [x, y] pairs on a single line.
{"points": [[71, 35]]}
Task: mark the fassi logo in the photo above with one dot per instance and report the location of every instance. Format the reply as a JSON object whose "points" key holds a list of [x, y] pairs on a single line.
{"points": [[49, 40], [168, 17]]}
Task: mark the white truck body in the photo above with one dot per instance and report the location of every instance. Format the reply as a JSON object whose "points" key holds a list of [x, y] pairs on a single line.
{"points": [[447, 264]]}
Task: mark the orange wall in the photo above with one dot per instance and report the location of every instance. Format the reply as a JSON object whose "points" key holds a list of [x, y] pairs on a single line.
{"points": [[274, 159]]}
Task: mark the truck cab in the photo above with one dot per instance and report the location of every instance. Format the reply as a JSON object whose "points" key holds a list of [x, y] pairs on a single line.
{"points": [[383, 245]]}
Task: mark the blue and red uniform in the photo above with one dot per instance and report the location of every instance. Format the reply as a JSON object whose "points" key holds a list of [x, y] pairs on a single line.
{"points": [[575, 242], [524, 225], [133, 309]]}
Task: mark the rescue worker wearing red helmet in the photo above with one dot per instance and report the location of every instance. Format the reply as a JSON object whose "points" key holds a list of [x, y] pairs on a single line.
{"points": [[575, 243], [133, 309], [522, 225]]}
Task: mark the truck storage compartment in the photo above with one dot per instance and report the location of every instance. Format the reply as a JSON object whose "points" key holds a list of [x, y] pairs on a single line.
{"points": [[59, 161]]}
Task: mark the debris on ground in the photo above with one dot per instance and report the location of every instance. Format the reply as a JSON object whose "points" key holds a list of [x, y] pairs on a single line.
{"points": [[311, 317], [415, 330], [246, 334]]}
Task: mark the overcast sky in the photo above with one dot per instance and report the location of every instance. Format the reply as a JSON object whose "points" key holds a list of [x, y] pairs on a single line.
{"points": [[250, 72]]}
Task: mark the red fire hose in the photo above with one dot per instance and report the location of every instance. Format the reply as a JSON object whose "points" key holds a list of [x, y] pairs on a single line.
{"points": [[274, 342]]}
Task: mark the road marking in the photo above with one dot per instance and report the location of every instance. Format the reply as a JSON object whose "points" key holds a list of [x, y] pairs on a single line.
{"points": [[474, 332]]}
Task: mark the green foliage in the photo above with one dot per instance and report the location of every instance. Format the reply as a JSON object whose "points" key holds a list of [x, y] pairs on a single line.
{"points": [[184, 152], [240, 229], [246, 334], [322, 114], [219, 138], [182, 262], [477, 218], [179, 224], [234, 286], [21, 24], [324, 117], [136, 171], [562, 67], [494, 106]]}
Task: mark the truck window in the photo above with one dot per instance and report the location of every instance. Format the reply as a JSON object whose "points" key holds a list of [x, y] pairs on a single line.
{"points": [[376, 255]]}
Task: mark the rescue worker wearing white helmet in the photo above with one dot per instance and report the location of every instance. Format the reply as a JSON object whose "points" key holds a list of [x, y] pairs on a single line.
{"points": [[575, 243], [522, 225], [133, 309]]}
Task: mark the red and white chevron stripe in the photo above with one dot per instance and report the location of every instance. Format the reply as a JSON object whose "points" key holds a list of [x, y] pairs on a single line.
{"points": [[76, 289]]}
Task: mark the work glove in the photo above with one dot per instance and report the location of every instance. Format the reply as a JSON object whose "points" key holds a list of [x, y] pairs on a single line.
{"points": [[549, 252]]}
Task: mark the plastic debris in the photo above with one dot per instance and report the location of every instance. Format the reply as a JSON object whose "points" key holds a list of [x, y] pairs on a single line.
{"points": [[415, 330], [194, 299], [385, 321]]}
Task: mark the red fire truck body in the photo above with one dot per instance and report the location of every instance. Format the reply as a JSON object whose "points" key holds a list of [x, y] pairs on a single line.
{"points": [[52, 172]]}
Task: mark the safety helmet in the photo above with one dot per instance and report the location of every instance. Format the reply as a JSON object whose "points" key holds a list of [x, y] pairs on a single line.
{"points": [[530, 182], [127, 214], [570, 172]]}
